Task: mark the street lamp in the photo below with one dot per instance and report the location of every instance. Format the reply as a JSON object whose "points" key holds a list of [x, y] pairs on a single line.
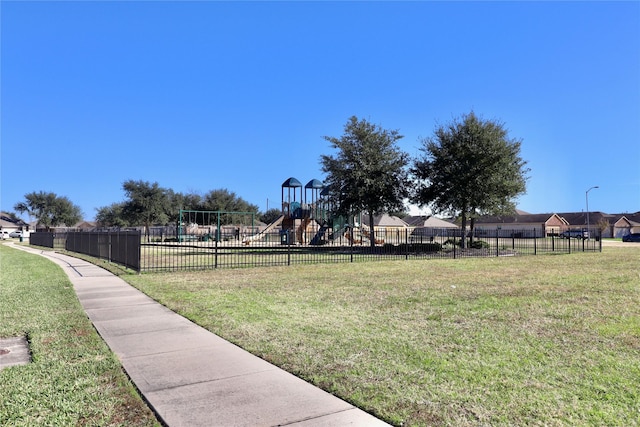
{"points": [[587, 197]]}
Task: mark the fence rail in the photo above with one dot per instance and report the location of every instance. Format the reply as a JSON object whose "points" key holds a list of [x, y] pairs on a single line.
{"points": [[289, 248], [164, 252], [120, 247]]}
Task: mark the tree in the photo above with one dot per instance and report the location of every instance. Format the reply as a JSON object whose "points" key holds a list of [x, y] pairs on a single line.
{"points": [[368, 173], [470, 167], [223, 200], [49, 209], [227, 201], [148, 204], [271, 215], [111, 216]]}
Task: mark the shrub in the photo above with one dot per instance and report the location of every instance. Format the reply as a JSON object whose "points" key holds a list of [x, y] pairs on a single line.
{"points": [[427, 247], [477, 244]]}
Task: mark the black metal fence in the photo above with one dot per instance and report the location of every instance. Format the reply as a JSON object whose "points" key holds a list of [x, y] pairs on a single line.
{"points": [[295, 247], [231, 248], [121, 247]]}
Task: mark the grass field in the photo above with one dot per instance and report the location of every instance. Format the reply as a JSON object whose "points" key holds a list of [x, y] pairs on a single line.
{"points": [[539, 340], [73, 379]]}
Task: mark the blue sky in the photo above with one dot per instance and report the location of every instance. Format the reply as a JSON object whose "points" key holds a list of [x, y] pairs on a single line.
{"points": [[206, 95]]}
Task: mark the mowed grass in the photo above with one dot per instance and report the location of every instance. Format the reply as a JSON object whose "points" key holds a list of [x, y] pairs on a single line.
{"points": [[73, 379], [548, 340]]}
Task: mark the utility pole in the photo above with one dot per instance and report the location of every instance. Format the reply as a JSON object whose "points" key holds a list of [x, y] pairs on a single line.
{"points": [[587, 198]]}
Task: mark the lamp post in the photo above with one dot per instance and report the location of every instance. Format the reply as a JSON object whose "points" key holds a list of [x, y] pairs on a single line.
{"points": [[587, 198]]}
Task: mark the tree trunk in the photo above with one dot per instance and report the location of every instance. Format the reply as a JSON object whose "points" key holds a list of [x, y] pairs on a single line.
{"points": [[372, 233], [473, 223], [463, 241]]}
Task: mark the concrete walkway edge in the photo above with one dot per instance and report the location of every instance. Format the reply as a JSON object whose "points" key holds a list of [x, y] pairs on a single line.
{"points": [[189, 376]]}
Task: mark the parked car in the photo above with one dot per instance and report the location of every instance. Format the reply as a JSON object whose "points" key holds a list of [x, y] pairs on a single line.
{"points": [[576, 234], [4, 234], [16, 234], [632, 237]]}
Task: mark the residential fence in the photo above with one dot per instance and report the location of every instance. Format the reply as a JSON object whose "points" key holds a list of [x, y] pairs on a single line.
{"points": [[231, 248], [120, 247]]}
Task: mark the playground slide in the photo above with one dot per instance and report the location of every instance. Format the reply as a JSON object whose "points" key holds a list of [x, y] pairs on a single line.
{"points": [[261, 234]]}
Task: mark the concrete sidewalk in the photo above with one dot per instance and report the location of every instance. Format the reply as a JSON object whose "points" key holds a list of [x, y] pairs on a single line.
{"points": [[189, 376]]}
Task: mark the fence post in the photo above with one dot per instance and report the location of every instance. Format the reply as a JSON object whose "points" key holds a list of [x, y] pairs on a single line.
{"points": [[215, 251], [406, 243], [455, 243], [535, 243], [497, 241], [289, 247], [600, 240], [351, 243]]}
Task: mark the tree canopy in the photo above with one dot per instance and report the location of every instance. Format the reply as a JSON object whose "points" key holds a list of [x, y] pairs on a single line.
{"points": [[470, 167], [147, 203], [150, 204], [49, 209], [368, 172]]}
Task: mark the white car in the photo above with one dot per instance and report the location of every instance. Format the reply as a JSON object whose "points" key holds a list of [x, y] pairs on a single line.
{"points": [[16, 234], [4, 234]]}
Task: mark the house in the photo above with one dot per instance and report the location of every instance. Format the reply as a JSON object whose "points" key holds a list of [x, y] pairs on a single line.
{"points": [[425, 228], [385, 221], [85, 226], [625, 224], [527, 225], [388, 228], [428, 221], [10, 222], [610, 225]]}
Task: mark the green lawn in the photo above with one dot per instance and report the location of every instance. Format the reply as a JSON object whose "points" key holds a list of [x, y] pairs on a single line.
{"points": [[539, 340], [74, 379]]}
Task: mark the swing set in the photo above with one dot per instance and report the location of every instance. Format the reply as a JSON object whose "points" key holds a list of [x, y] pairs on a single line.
{"points": [[219, 226]]}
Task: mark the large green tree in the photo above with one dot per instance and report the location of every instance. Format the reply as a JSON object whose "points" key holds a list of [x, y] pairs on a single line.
{"points": [[111, 216], [49, 209], [368, 172], [225, 200], [271, 215], [470, 167], [147, 204]]}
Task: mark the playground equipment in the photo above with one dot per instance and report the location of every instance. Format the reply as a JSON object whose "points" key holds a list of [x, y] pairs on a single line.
{"points": [[196, 225], [303, 216], [306, 218], [247, 240]]}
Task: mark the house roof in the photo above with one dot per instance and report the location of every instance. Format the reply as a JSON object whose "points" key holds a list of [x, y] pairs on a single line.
{"points": [[10, 221], [570, 218], [384, 220], [85, 225], [515, 219], [624, 219], [429, 222], [632, 217], [579, 218]]}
